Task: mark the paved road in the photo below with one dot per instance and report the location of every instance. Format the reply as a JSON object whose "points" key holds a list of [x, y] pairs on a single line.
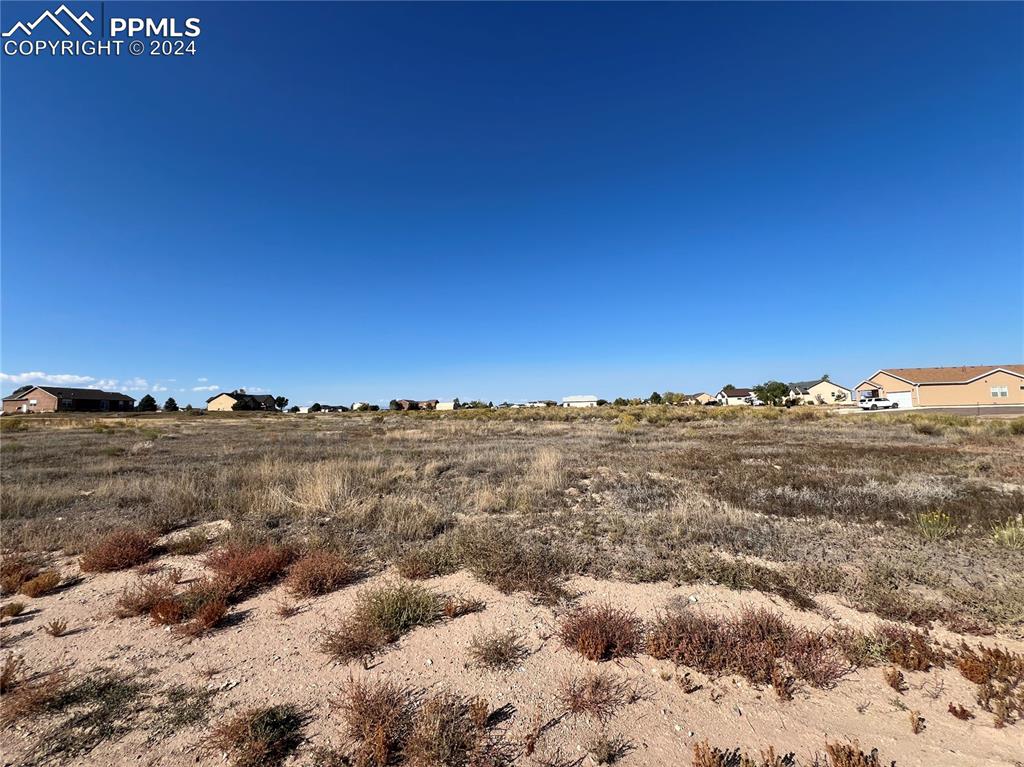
{"points": [[984, 411]]}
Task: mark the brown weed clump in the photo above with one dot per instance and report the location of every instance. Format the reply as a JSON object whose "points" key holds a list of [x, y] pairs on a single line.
{"points": [[16, 569], [259, 737], [498, 555], [603, 633], [910, 650], [596, 695], [705, 755], [757, 644], [42, 584], [118, 550], [25, 696], [243, 569], [321, 572], [141, 598], [451, 730], [999, 675], [378, 720], [850, 755]]}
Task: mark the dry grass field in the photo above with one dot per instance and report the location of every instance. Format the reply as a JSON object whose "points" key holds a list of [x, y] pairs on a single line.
{"points": [[641, 586]]}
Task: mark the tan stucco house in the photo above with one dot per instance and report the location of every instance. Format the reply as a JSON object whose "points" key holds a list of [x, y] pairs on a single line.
{"points": [[819, 392], [226, 401], [700, 398], [947, 387]]}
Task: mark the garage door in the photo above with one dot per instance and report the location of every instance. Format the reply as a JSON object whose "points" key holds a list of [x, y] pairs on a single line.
{"points": [[902, 398]]}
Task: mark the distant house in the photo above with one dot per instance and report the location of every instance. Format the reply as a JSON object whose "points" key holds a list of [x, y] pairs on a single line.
{"points": [[819, 392], [405, 404], [700, 398], [359, 406], [226, 401], [580, 400], [947, 386], [333, 409], [427, 404], [450, 405], [60, 399], [736, 397], [541, 403]]}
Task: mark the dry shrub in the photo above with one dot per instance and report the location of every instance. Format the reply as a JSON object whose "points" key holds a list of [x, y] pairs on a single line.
{"points": [[608, 750], [378, 720], [40, 585], [141, 598], [259, 737], [451, 730], [597, 695], [999, 675], [245, 568], [704, 755], [12, 610], [27, 696], [603, 632], [118, 550], [57, 627], [321, 572], [381, 615], [190, 544], [894, 678], [10, 673], [850, 755], [497, 650], [205, 619], [960, 712], [16, 569], [917, 723], [910, 650], [757, 644], [456, 606]]}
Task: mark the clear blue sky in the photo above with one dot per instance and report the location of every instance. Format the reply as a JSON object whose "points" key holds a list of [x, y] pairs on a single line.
{"points": [[507, 201]]}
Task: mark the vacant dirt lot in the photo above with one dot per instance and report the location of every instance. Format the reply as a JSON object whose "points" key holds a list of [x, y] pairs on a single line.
{"points": [[624, 585]]}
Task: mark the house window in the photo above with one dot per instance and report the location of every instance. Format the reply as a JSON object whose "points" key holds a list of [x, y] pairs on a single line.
{"points": [[33, 402], [1000, 391]]}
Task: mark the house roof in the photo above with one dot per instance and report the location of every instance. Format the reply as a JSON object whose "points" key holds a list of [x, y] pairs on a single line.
{"points": [[962, 374], [63, 392], [580, 398], [738, 393], [263, 399]]}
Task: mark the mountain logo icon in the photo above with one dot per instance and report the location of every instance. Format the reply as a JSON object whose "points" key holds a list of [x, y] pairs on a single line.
{"points": [[62, 17]]}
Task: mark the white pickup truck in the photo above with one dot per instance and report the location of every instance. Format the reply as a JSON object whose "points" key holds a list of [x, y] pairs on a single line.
{"points": [[875, 403]]}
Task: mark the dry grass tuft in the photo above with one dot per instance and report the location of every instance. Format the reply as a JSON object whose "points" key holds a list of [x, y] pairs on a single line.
{"points": [[497, 650], [40, 585], [141, 598], [456, 606], [704, 755], [451, 730], [608, 750], [597, 695], [57, 627], [25, 696], [321, 572], [259, 737], [378, 720], [850, 755], [429, 561], [500, 556], [12, 610], [603, 633], [119, 550], [381, 616], [917, 723]]}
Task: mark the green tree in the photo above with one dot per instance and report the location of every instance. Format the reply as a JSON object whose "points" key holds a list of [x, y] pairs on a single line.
{"points": [[728, 388], [315, 407], [655, 398], [620, 402], [772, 392], [243, 403], [147, 404], [293, 409], [170, 406], [188, 408], [281, 402]]}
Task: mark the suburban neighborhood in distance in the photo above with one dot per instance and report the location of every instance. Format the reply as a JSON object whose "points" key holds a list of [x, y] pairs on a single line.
{"points": [[936, 387], [512, 384]]}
